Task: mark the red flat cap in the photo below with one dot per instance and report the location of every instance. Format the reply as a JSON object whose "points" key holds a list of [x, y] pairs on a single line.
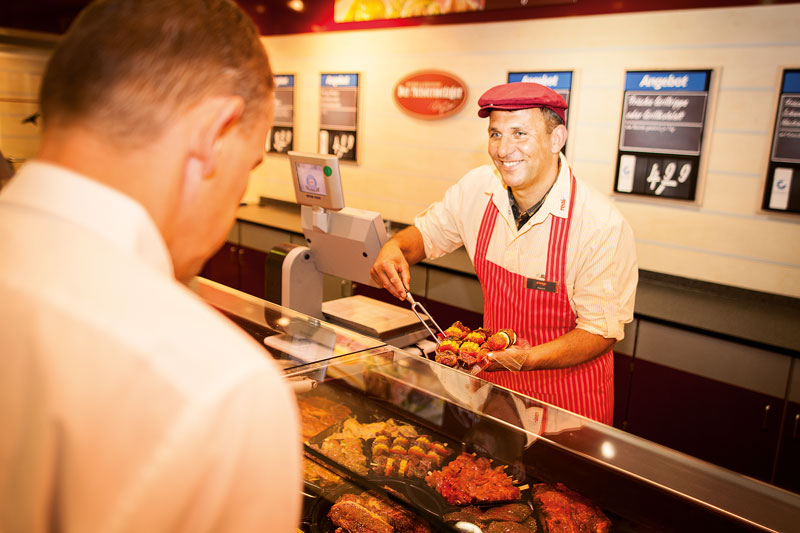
{"points": [[521, 95]]}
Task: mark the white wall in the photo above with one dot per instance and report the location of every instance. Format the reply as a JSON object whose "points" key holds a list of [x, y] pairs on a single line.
{"points": [[21, 71], [405, 163]]}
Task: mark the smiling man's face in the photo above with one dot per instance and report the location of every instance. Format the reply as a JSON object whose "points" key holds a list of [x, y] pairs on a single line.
{"points": [[520, 146]]}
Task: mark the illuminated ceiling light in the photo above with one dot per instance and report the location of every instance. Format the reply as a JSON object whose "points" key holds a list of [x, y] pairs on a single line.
{"points": [[296, 5]]}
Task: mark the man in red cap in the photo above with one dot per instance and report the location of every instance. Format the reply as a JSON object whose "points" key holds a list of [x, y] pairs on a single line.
{"points": [[556, 260]]}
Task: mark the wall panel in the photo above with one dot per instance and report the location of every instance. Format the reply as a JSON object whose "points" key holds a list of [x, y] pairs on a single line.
{"points": [[20, 76], [722, 238]]}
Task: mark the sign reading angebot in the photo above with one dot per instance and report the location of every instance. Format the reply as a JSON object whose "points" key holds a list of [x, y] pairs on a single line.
{"points": [[663, 119], [430, 94], [338, 120], [784, 164], [560, 82], [281, 136]]}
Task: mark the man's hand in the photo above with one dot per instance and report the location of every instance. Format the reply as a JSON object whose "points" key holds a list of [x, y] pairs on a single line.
{"points": [[391, 270], [512, 358], [573, 348]]}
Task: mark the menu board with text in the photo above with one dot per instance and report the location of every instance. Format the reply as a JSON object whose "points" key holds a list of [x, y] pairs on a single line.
{"points": [[560, 82], [784, 163], [281, 136], [663, 121], [338, 122]]}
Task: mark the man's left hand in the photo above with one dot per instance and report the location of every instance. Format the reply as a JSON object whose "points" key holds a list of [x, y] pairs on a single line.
{"points": [[512, 358]]}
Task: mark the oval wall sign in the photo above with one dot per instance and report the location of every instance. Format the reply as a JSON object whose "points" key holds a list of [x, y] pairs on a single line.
{"points": [[430, 94]]}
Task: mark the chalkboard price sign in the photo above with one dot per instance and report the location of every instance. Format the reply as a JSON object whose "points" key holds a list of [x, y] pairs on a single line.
{"points": [[782, 190], [560, 82], [338, 122], [663, 119], [281, 136]]}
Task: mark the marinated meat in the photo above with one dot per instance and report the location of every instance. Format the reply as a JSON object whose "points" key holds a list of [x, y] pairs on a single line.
{"points": [[514, 512], [319, 475], [510, 333], [352, 428], [499, 341], [512, 518], [449, 344], [561, 509], [318, 413], [366, 513], [405, 457], [507, 527], [467, 514], [355, 517], [446, 358], [468, 353], [348, 452], [478, 336], [469, 479], [486, 332], [457, 330], [462, 348]]}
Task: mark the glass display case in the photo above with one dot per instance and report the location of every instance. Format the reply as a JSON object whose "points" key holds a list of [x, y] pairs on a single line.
{"points": [[570, 473], [396, 442], [293, 339]]}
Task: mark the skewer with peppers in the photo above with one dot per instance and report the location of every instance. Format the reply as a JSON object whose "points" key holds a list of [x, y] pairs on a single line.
{"points": [[467, 349]]}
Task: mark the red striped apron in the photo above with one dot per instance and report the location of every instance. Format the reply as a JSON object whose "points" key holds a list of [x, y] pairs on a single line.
{"points": [[540, 316]]}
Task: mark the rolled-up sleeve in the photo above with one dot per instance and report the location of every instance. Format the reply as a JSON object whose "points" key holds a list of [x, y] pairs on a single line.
{"points": [[452, 222], [605, 284], [439, 230]]}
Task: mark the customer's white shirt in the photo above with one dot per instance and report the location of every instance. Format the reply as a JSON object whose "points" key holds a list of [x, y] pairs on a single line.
{"points": [[126, 403]]}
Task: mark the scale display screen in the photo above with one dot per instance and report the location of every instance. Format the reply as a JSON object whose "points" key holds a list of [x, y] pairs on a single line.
{"points": [[317, 182], [312, 179]]}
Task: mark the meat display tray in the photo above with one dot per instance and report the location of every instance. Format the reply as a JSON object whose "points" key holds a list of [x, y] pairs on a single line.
{"points": [[422, 500], [318, 520], [541, 462]]}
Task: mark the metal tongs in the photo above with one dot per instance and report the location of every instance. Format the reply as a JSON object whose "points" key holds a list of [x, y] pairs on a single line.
{"points": [[415, 305]]}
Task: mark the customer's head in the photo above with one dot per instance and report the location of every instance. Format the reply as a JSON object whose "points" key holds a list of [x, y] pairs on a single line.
{"points": [[167, 101], [126, 67]]}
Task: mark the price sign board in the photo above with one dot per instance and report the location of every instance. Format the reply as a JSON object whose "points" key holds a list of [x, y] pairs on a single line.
{"points": [[663, 119], [281, 137], [782, 190], [338, 122], [560, 82]]}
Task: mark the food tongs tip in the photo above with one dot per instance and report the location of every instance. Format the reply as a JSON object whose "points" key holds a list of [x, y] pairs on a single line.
{"points": [[418, 308]]}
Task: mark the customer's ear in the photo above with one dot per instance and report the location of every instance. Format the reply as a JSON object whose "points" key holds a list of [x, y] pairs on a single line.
{"points": [[214, 118]]}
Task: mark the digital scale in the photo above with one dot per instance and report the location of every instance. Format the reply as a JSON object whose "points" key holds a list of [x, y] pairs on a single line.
{"points": [[342, 242]]}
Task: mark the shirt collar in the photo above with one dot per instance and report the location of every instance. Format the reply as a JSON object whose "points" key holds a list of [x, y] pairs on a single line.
{"points": [[521, 217], [556, 203], [82, 201]]}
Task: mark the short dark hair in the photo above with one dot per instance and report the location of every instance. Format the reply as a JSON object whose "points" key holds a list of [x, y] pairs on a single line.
{"points": [[125, 67], [551, 119]]}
